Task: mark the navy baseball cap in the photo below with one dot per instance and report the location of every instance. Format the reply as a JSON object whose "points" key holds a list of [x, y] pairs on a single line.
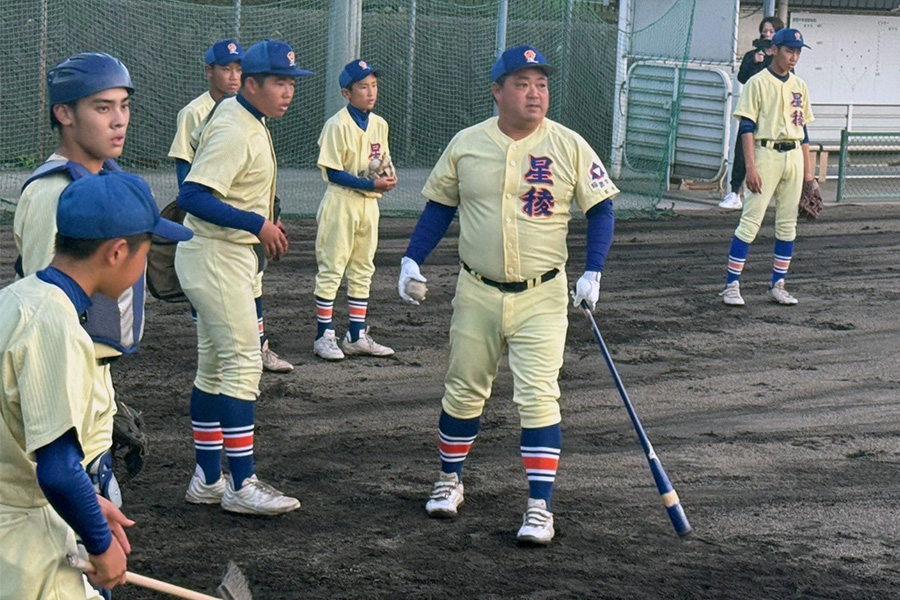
{"points": [[789, 38], [110, 206], [224, 52], [357, 71], [518, 58], [272, 58]]}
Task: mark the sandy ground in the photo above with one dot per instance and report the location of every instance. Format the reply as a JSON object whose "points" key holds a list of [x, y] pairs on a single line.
{"points": [[779, 427]]}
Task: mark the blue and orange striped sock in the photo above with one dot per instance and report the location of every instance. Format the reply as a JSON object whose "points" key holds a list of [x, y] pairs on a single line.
{"points": [[238, 420], [737, 256], [784, 251], [208, 440], [359, 308], [324, 316], [540, 455], [457, 437]]}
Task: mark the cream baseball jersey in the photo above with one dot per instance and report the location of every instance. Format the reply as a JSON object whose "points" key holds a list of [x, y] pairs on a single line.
{"points": [[521, 189], [779, 109], [48, 368], [34, 224], [189, 118], [343, 146], [236, 160]]}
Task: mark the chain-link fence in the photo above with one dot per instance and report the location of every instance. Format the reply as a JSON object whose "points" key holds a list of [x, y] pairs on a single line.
{"points": [[869, 166], [435, 56]]}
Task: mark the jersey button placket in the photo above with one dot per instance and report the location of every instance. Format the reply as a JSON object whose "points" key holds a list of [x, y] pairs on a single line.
{"points": [[510, 206]]}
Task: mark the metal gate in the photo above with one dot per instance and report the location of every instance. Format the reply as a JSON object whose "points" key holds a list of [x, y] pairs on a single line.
{"points": [[700, 147]]}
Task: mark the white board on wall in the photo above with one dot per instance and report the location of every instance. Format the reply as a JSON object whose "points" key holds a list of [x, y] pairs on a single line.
{"points": [[853, 59]]}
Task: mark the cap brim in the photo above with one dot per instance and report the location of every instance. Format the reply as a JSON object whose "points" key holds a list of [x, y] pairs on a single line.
{"points": [[547, 68], [294, 72], [228, 61], [171, 230]]}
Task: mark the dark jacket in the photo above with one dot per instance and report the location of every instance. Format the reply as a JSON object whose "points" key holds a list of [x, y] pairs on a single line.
{"points": [[750, 68]]}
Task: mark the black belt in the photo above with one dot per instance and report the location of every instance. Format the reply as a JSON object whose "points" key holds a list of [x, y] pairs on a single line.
{"points": [[779, 146], [513, 287]]}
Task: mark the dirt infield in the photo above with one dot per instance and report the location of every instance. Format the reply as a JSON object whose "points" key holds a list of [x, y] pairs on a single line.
{"points": [[779, 427]]}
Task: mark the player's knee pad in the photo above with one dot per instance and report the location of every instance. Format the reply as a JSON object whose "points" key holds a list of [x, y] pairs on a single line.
{"points": [[747, 230], [460, 407], [786, 231], [539, 412]]}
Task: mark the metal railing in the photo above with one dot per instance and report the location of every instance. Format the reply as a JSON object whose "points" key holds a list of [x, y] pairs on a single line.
{"points": [[869, 167]]}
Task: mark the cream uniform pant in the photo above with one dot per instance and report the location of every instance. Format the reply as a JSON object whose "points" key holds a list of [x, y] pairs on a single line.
{"points": [[346, 239], [220, 278], [782, 178], [531, 325], [34, 543]]}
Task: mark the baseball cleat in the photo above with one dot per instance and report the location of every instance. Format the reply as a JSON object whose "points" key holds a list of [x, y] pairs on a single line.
{"points": [[781, 295], [731, 295], [257, 498], [731, 201], [199, 492], [537, 524], [274, 363], [327, 347], [446, 497], [364, 346]]}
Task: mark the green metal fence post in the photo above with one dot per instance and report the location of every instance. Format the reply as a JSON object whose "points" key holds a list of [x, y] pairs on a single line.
{"points": [[841, 165]]}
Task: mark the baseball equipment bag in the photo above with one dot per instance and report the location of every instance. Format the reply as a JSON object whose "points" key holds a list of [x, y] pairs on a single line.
{"points": [[811, 200], [162, 281]]}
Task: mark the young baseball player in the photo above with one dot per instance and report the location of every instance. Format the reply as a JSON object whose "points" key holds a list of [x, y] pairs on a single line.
{"points": [[774, 110], [229, 196], [90, 108], [753, 62], [223, 70], [513, 178], [352, 141], [52, 424]]}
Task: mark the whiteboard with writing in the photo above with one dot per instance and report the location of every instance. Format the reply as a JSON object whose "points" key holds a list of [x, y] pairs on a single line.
{"points": [[853, 59]]}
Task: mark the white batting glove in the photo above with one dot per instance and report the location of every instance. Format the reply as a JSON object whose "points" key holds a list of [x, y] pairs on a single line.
{"points": [[587, 289], [409, 271]]}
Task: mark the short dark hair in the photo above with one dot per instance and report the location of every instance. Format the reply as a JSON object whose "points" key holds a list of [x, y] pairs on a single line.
{"points": [[349, 88], [54, 122], [777, 24], [83, 249], [259, 78]]}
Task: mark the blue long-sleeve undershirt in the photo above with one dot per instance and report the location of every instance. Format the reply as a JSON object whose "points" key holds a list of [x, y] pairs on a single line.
{"points": [[199, 201], [69, 490], [430, 230], [182, 168], [601, 224], [345, 179]]}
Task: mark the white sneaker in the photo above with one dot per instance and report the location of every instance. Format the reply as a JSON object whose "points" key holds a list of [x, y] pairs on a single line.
{"points": [[732, 201], [731, 295], [446, 497], [327, 347], [364, 346], [257, 498], [199, 492], [781, 295], [537, 524], [274, 363]]}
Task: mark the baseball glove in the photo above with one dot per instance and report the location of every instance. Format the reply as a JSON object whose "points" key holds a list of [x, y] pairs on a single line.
{"points": [[811, 200], [130, 443], [381, 168]]}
